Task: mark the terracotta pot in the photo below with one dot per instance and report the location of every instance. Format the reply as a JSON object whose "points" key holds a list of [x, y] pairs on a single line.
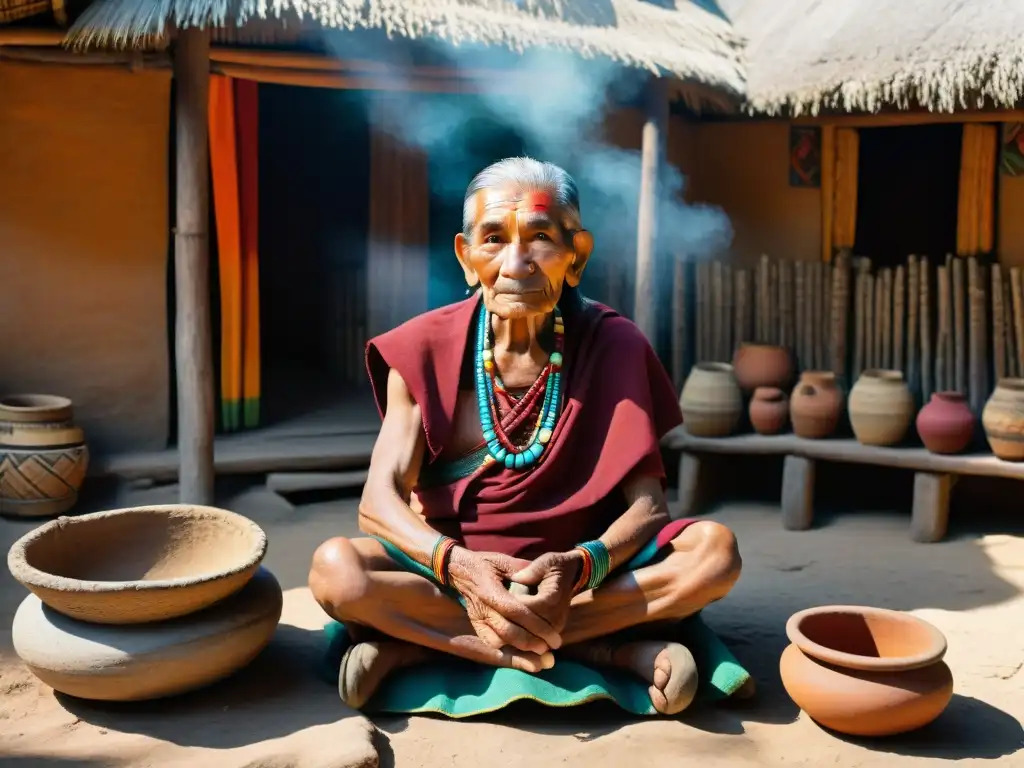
{"points": [[881, 407], [147, 661], [769, 410], [866, 671], [130, 566], [43, 456], [762, 365], [1003, 420], [946, 424], [815, 405], [711, 401]]}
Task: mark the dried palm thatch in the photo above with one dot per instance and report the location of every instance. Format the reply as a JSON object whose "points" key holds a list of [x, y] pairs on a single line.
{"points": [[16, 10], [806, 56], [674, 37]]}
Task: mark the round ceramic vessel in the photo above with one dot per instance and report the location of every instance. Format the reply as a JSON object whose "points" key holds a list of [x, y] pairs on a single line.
{"points": [[762, 365], [815, 405], [43, 456], [148, 661], [946, 424], [881, 408], [866, 671], [769, 410], [711, 401], [1003, 420], [141, 564]]}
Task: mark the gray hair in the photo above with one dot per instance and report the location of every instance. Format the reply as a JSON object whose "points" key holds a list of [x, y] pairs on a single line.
{"points": [[527, 174]]}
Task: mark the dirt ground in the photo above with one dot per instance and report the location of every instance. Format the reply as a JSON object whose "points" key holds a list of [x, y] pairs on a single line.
{"points": [[278, 715]]}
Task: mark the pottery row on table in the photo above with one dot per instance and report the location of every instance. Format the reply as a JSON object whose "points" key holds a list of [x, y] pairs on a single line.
{"points": [[881, 407]]}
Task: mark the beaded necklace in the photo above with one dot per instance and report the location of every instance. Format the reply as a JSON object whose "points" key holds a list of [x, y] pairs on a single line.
{"points": [[489, 384]]}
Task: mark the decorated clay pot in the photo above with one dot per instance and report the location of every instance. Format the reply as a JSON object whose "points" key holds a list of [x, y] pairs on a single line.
{"points": [[946, 424], [866, 671], [815, 405], [43, 456], [131, 566], [769, 410], [1003, 420], [711, 401], [762, 365], [147, 661], [881, 407]]}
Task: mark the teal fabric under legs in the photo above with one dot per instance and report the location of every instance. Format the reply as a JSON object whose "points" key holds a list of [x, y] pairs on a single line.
{"points": [[459, 688]]}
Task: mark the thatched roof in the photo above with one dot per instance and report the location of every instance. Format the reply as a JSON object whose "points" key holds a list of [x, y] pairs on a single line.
{"points": [[673, 37], [806, 56]]}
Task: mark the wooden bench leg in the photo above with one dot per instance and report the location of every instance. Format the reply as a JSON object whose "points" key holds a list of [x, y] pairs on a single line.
{"points": [[692, 485], [797, 493], [929, 517]]}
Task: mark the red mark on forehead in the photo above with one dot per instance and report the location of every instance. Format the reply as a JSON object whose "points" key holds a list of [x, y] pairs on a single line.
{"points": [[535, 201]]}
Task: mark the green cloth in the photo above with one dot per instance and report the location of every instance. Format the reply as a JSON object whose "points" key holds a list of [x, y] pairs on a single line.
{"points": [[459, 688]]}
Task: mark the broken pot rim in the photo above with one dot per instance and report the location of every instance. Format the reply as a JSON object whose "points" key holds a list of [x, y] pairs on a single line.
{"points": [[30, 576], [934, 653]]}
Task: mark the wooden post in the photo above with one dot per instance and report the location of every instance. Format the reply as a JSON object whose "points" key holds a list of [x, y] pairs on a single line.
{"points": [[193, 345], [652, 157]]}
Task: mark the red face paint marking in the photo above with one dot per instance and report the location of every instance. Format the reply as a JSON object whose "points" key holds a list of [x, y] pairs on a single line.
{"points": [[535, 201]]}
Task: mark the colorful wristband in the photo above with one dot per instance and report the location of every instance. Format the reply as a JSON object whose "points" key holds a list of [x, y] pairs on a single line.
{"points": [[596, 564], [439, 559]]}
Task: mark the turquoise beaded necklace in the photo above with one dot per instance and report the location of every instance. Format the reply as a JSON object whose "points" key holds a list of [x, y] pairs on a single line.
{"points": [[486, 380]]}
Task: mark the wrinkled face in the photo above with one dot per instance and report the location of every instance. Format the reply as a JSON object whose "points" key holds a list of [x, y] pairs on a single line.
{"points": [[519, 251]]}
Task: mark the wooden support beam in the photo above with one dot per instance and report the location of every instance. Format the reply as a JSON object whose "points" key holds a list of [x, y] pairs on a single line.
{"points": [[929, 517], [797, 493], [652, 157], [193, 334]]}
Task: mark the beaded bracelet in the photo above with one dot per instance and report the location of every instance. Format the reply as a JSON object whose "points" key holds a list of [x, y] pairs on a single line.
{"points": [[596, 564], [439, 559]]}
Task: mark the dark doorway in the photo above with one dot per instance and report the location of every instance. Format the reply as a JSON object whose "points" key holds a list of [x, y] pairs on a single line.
{"points": [[907, 192], [314, 214]]}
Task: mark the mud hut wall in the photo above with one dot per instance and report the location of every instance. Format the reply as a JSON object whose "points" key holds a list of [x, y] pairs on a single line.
{"points": [[84, 245]]}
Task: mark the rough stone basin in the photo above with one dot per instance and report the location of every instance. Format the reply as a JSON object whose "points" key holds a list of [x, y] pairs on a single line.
{"points": [[141, 564]]}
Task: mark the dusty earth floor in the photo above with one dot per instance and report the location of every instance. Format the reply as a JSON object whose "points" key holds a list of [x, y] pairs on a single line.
{"points": [[276, 714]]}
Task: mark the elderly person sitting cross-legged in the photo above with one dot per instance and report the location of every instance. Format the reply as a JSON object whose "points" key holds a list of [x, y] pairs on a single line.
{"points": [[515, 504]]}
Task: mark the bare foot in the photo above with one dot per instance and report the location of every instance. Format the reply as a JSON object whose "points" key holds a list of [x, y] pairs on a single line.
{"points": [[365, 665], [668, 667]]}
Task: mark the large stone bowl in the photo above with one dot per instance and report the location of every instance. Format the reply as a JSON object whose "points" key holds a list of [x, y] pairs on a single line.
{"points": [[866, 671], [147, 661], [136, 565]]}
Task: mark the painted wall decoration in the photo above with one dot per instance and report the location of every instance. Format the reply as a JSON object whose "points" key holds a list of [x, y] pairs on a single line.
{"points": [[804, 156], [1011, 159]]}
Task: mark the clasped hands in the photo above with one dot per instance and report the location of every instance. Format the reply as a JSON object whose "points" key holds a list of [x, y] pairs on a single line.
{"points": [[530, 623]]}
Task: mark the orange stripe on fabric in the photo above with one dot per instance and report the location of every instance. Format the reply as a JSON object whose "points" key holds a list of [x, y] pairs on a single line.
{"points": [[224, 166]]}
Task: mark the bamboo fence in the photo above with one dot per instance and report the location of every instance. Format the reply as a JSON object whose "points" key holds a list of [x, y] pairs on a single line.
{"points": [[948, 324]]}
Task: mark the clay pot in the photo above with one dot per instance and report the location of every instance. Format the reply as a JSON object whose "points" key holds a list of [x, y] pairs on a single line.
{"points": [[43, 456], [130, 566], [1003, 420], [866, 671], [711, 401], [946, 424], [815, 405], [769, 410], [881, 407], [147, 661], [762, 365]]}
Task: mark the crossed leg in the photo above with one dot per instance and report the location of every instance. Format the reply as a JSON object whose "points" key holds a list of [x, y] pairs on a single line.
{"points": [[357, 583]]}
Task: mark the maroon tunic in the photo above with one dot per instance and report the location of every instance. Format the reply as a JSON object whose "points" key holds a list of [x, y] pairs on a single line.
{"points": [[618, 403]]}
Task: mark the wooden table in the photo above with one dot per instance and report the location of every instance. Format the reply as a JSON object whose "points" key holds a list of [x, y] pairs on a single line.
{"points": [[934, 475]]}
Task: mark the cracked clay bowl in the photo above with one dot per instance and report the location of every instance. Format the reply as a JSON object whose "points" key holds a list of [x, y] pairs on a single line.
{"points": [[866, 671], [141, 564]]}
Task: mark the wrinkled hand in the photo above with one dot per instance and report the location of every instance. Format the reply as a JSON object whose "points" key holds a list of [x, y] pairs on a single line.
{"points": [[554, 576], [498, 617]]}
